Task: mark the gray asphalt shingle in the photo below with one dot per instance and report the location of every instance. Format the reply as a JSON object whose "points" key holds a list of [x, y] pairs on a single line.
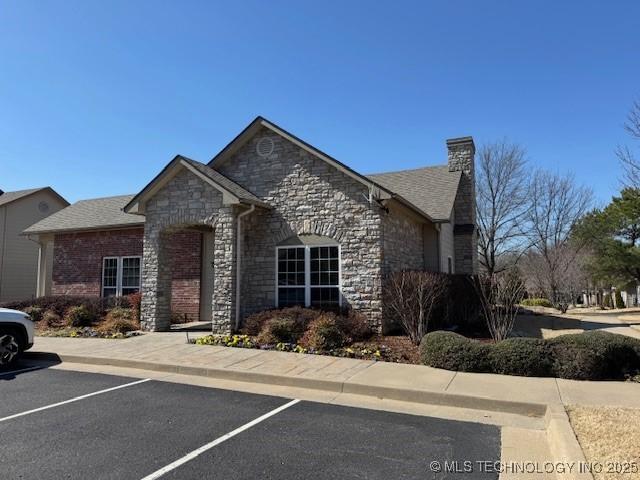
{"points": [[89, 214], [8, 197], [432, 189]]}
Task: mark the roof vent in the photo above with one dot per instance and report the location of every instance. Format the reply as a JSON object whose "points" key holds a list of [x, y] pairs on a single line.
{"points": [[264, 147], [43, 207]]}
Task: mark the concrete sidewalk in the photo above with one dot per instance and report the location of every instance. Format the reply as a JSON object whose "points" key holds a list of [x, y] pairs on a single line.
{"points": [[169, 352]]}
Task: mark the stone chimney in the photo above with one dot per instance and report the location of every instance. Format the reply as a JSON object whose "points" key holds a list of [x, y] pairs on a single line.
{"points": [[460, 158]]}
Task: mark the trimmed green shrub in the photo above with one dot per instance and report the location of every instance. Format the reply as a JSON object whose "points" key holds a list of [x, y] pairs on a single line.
{"points": [[528, 357], [323, 334], [79, 316], [34, 312], [595, 355], [536, 302], [619, 301], [452, 351], [606, 301]]}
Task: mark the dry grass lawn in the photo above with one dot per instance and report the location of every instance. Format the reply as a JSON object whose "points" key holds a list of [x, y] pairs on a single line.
{"points": [[609, 435]]}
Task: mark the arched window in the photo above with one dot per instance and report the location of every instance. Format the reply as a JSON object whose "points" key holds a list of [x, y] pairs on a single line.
{"points": [[308, 272]]}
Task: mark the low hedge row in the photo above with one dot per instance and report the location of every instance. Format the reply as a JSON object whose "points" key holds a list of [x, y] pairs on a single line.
{"points": [[592, 355], [536, 302]]}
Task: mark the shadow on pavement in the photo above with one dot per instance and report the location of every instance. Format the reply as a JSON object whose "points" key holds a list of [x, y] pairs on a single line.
{"points": [[30, 362], [533, 325]]}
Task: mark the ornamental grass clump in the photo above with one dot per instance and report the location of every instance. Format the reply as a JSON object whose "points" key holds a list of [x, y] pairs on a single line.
{"points": [[79, 316], [119, 320]]}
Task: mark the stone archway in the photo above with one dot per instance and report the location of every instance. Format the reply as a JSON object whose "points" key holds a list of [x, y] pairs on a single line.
{"points": [[164, 271], [187, 201]]}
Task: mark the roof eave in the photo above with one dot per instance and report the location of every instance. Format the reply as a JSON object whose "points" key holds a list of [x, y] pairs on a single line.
{"points": [[235, 144], [118, 226]]}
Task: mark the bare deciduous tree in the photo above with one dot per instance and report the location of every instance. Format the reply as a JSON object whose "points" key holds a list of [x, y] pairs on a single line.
{"points": [[500, 295], [501, 193], [412, 298], [557, 204], [629, 161]]}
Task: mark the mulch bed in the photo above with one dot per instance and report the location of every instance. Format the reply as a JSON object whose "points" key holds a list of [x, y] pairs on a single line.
{"points": [[391, 348], [83, 332]]}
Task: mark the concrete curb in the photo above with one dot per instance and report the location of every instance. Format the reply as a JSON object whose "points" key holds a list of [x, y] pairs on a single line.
{"points": [[563, 444], [381, 392]]}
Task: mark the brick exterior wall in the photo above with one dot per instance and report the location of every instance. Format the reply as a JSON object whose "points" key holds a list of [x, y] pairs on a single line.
{"points": [[77, 258], [77, 264], [306, 196], [184, 252]]}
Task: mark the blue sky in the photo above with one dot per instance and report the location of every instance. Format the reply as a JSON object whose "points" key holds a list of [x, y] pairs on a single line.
{"points": [[96, 97]]}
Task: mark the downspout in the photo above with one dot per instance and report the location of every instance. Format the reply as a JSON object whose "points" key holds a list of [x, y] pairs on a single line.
{"points": [[239, 261], [39, 278]]}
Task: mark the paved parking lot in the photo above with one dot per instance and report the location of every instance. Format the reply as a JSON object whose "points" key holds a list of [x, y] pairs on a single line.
{"points": [[60, 424]]}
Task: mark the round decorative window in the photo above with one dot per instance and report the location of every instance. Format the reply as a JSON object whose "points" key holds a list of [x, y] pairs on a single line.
{"points": [[264, 147], [43, 207]]}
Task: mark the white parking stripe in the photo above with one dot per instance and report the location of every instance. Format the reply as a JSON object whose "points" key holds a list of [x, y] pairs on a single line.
{"points": [[75, 399], [190, 456], [37, 367]]}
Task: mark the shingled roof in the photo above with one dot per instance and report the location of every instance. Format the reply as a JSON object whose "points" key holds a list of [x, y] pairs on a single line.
{"points": [[94, 214], [432, 189], [8, 197]]}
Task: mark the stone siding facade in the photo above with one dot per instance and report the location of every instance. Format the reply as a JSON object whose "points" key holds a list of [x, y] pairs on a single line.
{"points": [[187, 202], [307, 196], [461, 152], [403, 247]]}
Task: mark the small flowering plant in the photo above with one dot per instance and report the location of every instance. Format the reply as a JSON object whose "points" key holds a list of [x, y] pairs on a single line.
{"points": [[246, 341]]}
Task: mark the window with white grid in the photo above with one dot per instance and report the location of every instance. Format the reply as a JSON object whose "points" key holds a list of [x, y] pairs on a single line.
{"points": [[121, 276], [308, 276]]}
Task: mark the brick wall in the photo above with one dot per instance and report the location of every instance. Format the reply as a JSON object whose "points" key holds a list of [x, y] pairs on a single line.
{"points": [[77, 264], [184, 252], [77, 258]]}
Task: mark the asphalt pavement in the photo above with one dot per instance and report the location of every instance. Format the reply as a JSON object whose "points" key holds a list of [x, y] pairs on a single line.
{"points": [[60, 424]]}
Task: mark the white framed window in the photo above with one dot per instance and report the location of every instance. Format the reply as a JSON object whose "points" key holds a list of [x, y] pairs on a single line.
{"points": [[308, 276], [121, 275]]}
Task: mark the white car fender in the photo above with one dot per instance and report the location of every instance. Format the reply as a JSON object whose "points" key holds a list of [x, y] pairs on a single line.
{"points": [[19, 320]]}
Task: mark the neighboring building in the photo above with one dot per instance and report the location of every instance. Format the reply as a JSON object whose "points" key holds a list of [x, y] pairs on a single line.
{"points": [[270, 221], [19, 255]]}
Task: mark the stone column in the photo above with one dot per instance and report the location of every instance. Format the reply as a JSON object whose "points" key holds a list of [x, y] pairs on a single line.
{"points": [[224, 281], [461, 158], [156, 282]]}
